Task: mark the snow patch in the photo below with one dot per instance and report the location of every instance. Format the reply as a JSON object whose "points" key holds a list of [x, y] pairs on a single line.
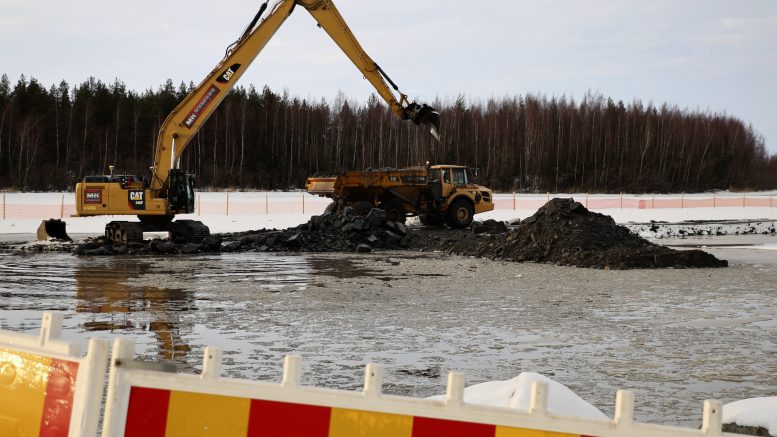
{"points": [[516, 393], [756, 412]]}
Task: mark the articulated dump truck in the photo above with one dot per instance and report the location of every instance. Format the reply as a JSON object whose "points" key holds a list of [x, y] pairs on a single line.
{"points": [[437, 194]]}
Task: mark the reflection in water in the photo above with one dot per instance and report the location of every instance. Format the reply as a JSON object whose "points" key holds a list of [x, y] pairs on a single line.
{"points": [[103, 290]]}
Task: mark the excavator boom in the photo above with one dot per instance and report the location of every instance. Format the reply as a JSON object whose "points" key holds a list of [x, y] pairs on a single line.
{"points": [[186, 119]]}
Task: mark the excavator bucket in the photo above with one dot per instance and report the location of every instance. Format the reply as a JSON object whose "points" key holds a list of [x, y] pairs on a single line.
{"points": [[430, 117], [53, 228]]}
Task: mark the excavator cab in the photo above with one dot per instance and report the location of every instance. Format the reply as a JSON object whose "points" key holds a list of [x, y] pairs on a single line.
{"points": [[181, 191]]}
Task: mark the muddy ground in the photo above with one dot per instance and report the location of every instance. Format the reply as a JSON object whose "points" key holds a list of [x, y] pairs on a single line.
{"points": [[675, 337]]}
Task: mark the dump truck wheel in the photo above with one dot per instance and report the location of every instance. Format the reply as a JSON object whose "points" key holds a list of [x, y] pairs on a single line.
{"points": [[460, 214], [394, 211]]}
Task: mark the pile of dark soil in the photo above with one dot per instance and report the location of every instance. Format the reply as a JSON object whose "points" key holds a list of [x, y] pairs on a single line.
{"points": [[103, 246], [564, 232], [345, 231]]}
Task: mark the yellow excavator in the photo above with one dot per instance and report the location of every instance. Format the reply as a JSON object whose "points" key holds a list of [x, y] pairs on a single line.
{"points": [[155, 200]]}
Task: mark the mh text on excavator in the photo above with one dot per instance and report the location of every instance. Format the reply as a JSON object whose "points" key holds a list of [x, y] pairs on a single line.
{"points": [[157, 198]]}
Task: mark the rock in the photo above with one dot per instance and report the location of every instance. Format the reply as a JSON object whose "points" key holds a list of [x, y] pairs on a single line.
{"points": [[363, 248], [295, 240], [163, 247], [358, 224], [190, 248], [489, 226], [376, 216], [390, 236], [746, 430]]}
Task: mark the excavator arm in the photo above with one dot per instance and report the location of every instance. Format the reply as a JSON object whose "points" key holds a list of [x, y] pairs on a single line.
{"points": [[188, 117]]}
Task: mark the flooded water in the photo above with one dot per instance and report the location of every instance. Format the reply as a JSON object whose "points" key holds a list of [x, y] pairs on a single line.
{"points": [[675, 337]]}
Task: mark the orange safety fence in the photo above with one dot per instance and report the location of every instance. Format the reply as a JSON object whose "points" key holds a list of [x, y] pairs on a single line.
{"points": [[57, 205]]}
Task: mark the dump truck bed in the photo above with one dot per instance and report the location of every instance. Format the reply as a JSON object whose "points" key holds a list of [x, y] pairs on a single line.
{"points": [[350, 182], [322, 186]]}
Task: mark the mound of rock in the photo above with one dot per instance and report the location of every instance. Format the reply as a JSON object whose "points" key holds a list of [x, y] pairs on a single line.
{"points": [[564, 232], [103, 246], [345, 231]]}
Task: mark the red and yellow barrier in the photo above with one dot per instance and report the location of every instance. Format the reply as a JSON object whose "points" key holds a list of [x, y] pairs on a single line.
{"points": [[47, 387], [169, 413], [36, 394]]}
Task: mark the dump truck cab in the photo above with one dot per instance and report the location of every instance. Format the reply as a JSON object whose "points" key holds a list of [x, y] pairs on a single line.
{"points": [[456, 196]]}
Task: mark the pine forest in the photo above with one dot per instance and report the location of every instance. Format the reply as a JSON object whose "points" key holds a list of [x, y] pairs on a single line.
{"points": [[51, 137]]}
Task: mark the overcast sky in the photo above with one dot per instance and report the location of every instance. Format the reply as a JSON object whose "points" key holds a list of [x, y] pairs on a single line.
{"points": [[716, 55]]}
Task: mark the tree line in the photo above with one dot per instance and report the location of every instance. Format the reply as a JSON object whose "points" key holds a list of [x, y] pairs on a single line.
{"points": [[50, 138]]}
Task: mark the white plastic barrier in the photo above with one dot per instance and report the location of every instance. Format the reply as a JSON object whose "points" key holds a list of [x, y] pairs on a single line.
{"points": [[47, 388], [148, 400]]}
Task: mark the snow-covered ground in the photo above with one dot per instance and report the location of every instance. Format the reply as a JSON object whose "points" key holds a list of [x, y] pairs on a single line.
{"points": [[756, 412], [516, 393], [243, 211]]}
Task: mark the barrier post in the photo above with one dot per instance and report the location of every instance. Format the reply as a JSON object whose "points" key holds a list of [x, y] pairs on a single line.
{"points": [[712, 419], [621, 199], [303, 203], [3, 206], [682, 200], [292, 371], [266, 204], [514, 201], [743, 200], [62, 207], [454, 392], [538, 401], [624, 409], [227, 202], [199, 205], [373, 380], [586, 200], [714, 199], [653, 203]]}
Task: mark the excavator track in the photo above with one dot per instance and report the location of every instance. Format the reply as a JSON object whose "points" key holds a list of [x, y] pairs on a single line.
{"points": [[124, 232], [190, 231]]}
